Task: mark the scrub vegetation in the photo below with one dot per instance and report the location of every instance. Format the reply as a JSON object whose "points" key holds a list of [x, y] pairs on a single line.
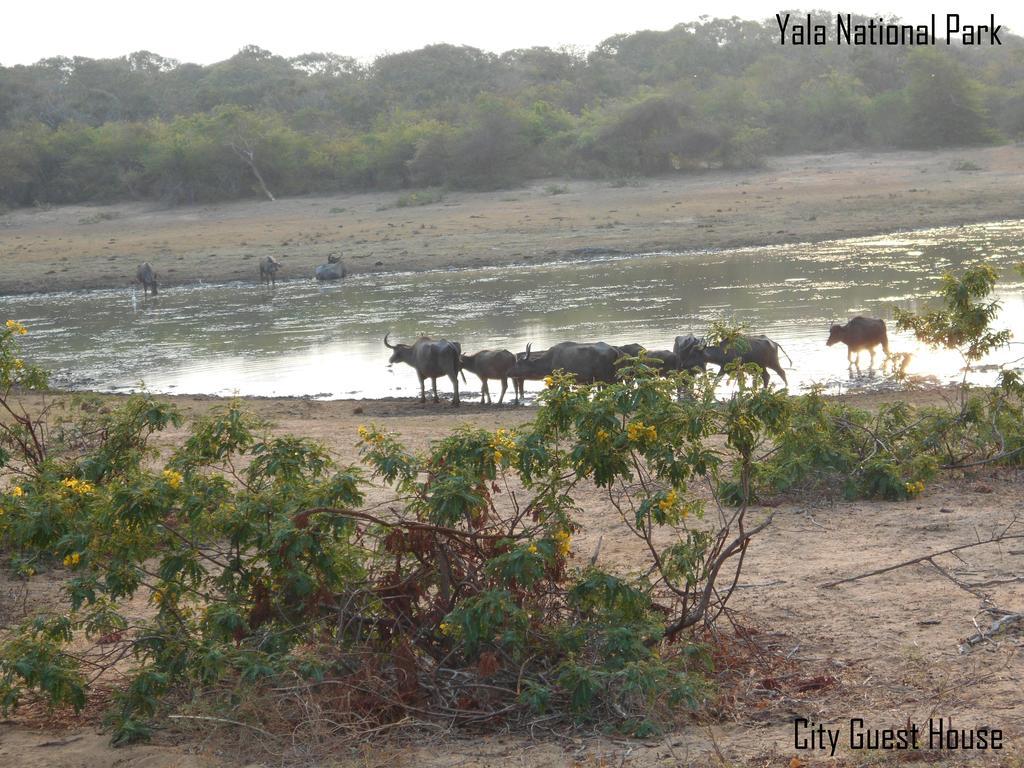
{"points": [[715, 93]]}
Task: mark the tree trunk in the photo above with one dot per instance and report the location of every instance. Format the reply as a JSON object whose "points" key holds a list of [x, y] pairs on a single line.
{"points": [[247, 157]]}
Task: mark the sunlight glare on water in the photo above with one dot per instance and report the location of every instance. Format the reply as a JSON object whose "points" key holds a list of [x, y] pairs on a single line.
{"points": [[304, 339]]}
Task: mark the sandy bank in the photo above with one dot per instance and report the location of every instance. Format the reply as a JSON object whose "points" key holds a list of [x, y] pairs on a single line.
{"points": [[793, 199]]}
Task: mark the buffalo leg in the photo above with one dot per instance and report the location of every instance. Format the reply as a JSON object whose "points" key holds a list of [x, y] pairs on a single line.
{"points": [[484, 391], [504, 386], [423, 390], [455, 385], [433, 383]]}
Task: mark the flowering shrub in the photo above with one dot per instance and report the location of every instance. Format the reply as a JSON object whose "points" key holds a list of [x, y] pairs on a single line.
{"points": [[463, 598]]}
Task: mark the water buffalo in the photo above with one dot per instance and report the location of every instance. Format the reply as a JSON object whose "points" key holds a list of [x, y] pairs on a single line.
{"points": [[664, 360], [587, 362], [268, 270], [146, 275], [859, 334], [334, 269], [519, 382], [697, 353], [661, 359], [491, 364], [633, 350], [431, 359]]}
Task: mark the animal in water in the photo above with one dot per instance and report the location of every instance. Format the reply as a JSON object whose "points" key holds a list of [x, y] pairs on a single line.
{"points": [[692, 353], [146, 275], [268, 270], [431, 358], [589, 363], [491, 364], [334, 269], [859, 334]]}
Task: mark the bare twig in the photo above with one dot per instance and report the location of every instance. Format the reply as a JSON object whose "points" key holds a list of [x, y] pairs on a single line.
{"points": [[1003, 536], [224, 720], [997, 625]]}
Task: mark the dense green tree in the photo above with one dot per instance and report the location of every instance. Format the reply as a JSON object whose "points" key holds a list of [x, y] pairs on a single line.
{"points": [[944, 106], [709, 93]]}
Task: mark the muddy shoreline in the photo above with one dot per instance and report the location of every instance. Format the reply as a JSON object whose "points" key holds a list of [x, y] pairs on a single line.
{"points": [[807, 198]]}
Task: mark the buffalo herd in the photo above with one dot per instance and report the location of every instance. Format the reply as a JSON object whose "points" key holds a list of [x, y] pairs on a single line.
{"points": [[591, 362], [334, 269], [588, 362]]}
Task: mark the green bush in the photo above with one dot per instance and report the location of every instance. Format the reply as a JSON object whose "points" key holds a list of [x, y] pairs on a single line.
{"points": [[263, 566]]}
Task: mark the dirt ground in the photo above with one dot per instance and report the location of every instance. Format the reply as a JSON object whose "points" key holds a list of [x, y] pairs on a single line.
{"points": [[884, 648], [793, 199]]}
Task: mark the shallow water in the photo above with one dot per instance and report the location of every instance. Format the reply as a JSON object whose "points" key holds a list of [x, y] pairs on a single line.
{"points": [[302, 338]]}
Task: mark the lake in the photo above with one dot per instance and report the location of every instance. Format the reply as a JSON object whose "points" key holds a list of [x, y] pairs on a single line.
{"points": [[325, 341]]}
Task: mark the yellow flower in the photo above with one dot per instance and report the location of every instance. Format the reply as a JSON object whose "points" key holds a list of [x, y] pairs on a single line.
{"points": [[549, 381], [72, 560], [532, 549], [498, 457], [157, 596], [638, 431], [562, 539], [446, 628], [18, 364], [78, 486], [17, 491], [602, 435], [363, 432], [668, 502], [17, 327], [173, 478], [502, 439]]}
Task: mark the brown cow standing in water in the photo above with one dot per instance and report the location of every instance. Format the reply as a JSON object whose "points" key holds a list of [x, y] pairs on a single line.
{"points": [[859, 334]]}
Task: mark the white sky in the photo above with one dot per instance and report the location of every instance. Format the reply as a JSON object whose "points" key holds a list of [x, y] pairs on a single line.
{"points": [[204, 31]]}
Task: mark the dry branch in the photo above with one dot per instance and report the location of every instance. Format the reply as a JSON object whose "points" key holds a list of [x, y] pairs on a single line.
{"points": [[997, 625], [1003, 536]]}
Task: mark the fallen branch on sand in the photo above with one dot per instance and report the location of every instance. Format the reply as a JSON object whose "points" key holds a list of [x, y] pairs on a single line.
{"points": [[1004, 535], [997, 625]]}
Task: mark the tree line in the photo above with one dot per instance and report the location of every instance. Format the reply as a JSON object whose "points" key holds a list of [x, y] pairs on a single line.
{"points": [[705, 94]]}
